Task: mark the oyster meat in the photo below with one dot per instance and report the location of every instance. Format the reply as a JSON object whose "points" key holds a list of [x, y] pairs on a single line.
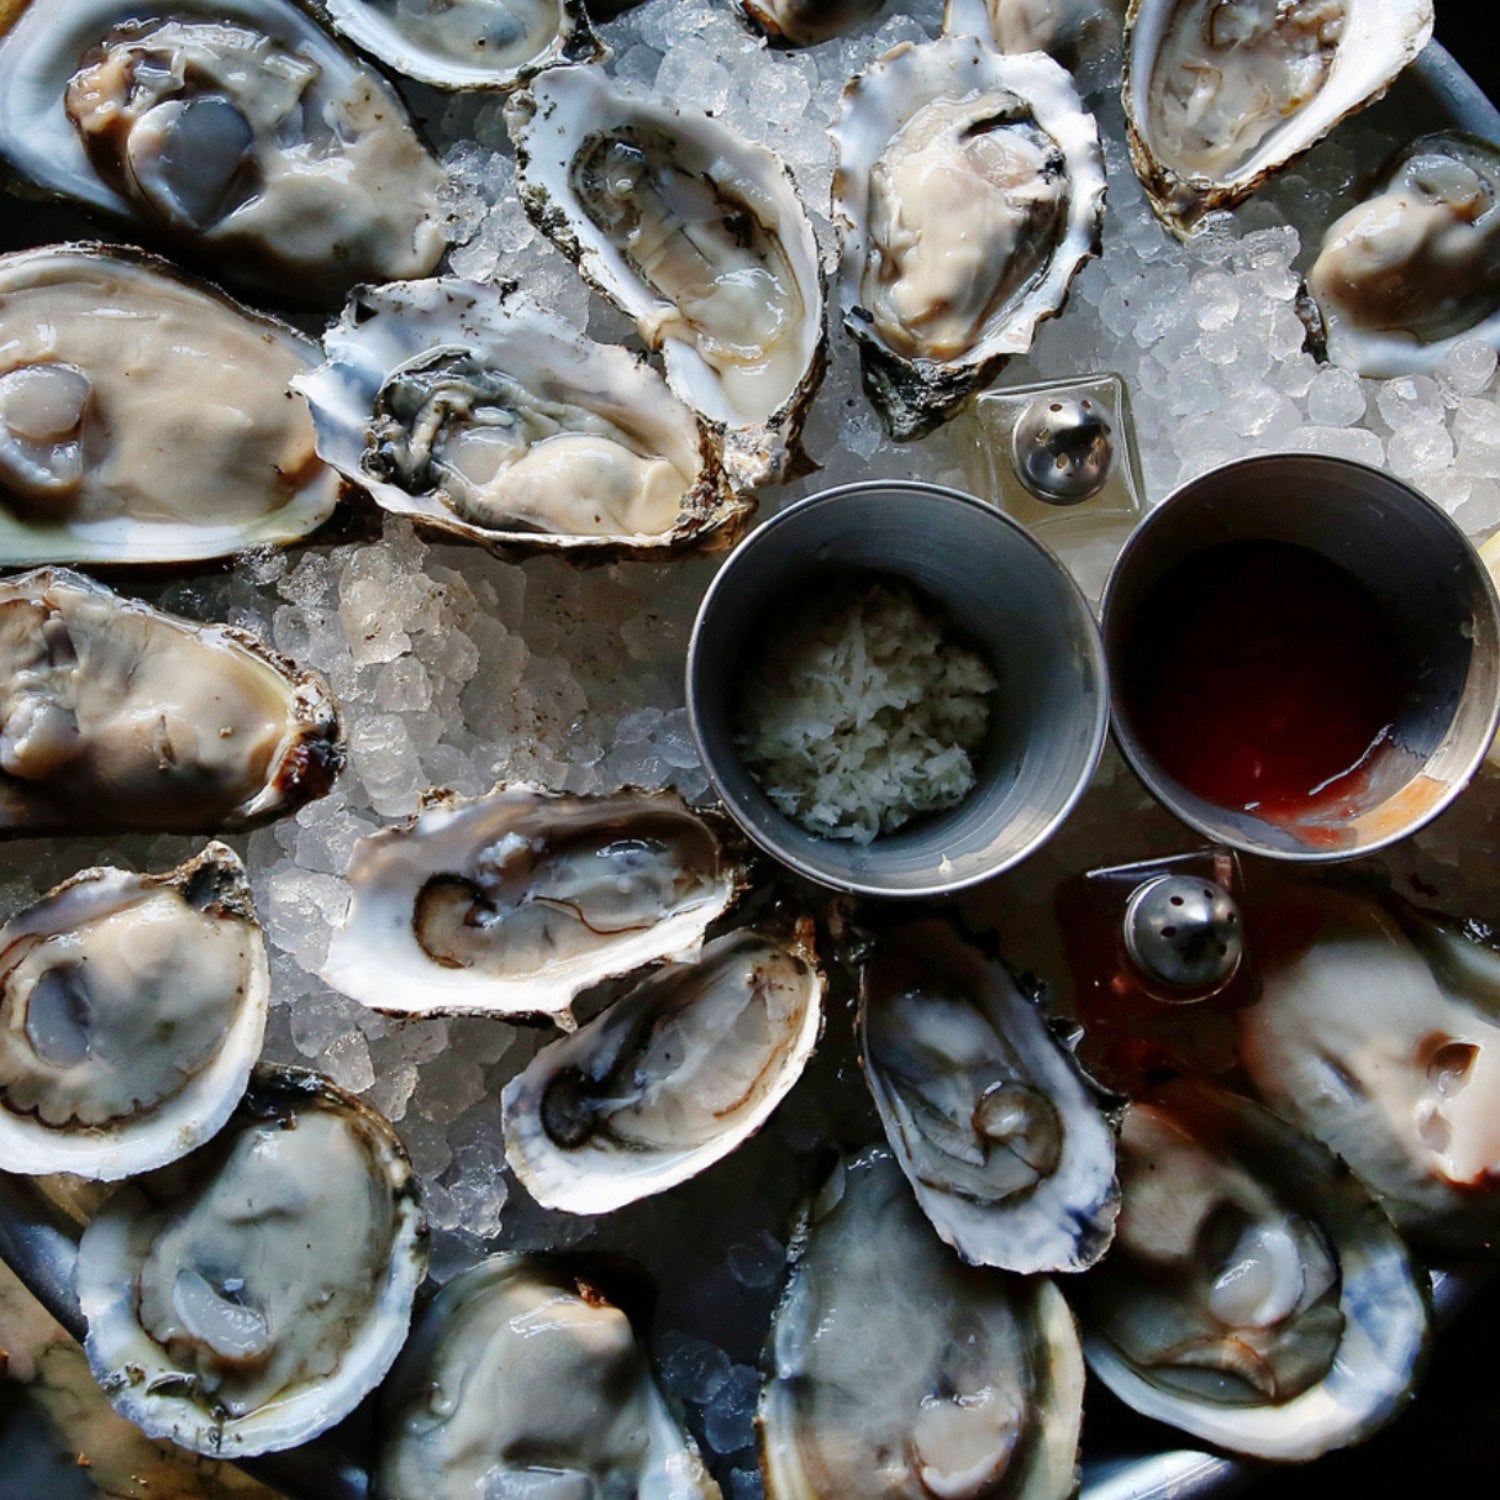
{"points": [[696, 234], [987, 1113], [468, 44], [469, 408], [1415, 269], [1221, 94], [894, 1370], [516, 902], [237, 132], [671, 1078], [248, 1297], [969, 191], [804, 23], [523, 1379], [114, 715], [159, 431], [1255, 1297], [1378, 1032], [132, 1008]]}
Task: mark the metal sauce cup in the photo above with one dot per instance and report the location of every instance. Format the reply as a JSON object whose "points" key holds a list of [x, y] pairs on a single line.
{"points": [[1432, 589], [1002, 590]]}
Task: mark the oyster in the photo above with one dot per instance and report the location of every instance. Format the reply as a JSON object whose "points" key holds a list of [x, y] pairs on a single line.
{"points": [[699, 236], [805, 23], [132, 1008], [1378, 1032], [235, 131], [969, 191], [162, 432], [987, 1113], [1221, 94], [894, 1370], [468, 44], [114, 715], [515, 902], [248, 1297], [523, 1379], [1065, 29], [1415, 269], [1255, 1297], [671, 1078], [469, 408]]}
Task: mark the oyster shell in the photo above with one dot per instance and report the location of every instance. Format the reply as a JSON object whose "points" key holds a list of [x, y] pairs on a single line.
{"points": [[132, 1008], [114, 715], [248, 1297], [468, 44], [671, 1078], [697, 235], [1378, 1032], [1415, 269], [805, 23], [987, 1113], [1068, 30], [1222, 94], [515, 902], [468, 408], [236, 132], [522, 1373], [969, 191], [161, 433], [893, 1369], [1255, 1297]]}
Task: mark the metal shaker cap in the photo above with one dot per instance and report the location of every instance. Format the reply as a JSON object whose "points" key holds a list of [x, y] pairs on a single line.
{"points": [[1185, 932], [1063, 448]]}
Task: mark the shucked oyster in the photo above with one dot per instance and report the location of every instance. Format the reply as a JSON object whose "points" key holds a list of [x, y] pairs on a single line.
{"points": [[895, 1371], [1221, 94], [469, 408], [248, 1297], [114, 715], [132, 1008], [522, 1379], [987, 1113], [160, 430], [804, 23], [468, 44], [1415, 269], [700, 237], [236, 131], [969, 191], [1254, 1296], [671, 1078], [515, 902], [1064, 29]]}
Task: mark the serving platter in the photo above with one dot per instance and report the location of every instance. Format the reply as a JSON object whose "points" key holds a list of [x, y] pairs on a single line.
{"points": [[580, 687]]}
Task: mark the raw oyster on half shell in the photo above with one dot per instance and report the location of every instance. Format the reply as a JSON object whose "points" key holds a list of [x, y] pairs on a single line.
{"points": [[969, 191], [1068, 30], [696, 234], [132, 1008], [114, 715], [672, 1077], [805, 23], [1221, 94], [146, 418], [469, 408], [248, 1297], [522, 1378], [514, 903]]}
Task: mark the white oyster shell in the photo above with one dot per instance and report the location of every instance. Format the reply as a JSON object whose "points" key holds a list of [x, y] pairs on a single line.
{"points": [[567, 443], [969, 191], [522, 1373], [114, 715], [516, 902], [468, 44], [99, 461], [805, 23], [236, 132], [735, 305], [248, 1297], [670, 1078], [1221, 94], [132, 1008], [990, 1117]]}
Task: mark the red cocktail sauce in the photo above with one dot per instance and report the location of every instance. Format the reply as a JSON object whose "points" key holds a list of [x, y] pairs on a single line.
{"points": [[1264, 678]]}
